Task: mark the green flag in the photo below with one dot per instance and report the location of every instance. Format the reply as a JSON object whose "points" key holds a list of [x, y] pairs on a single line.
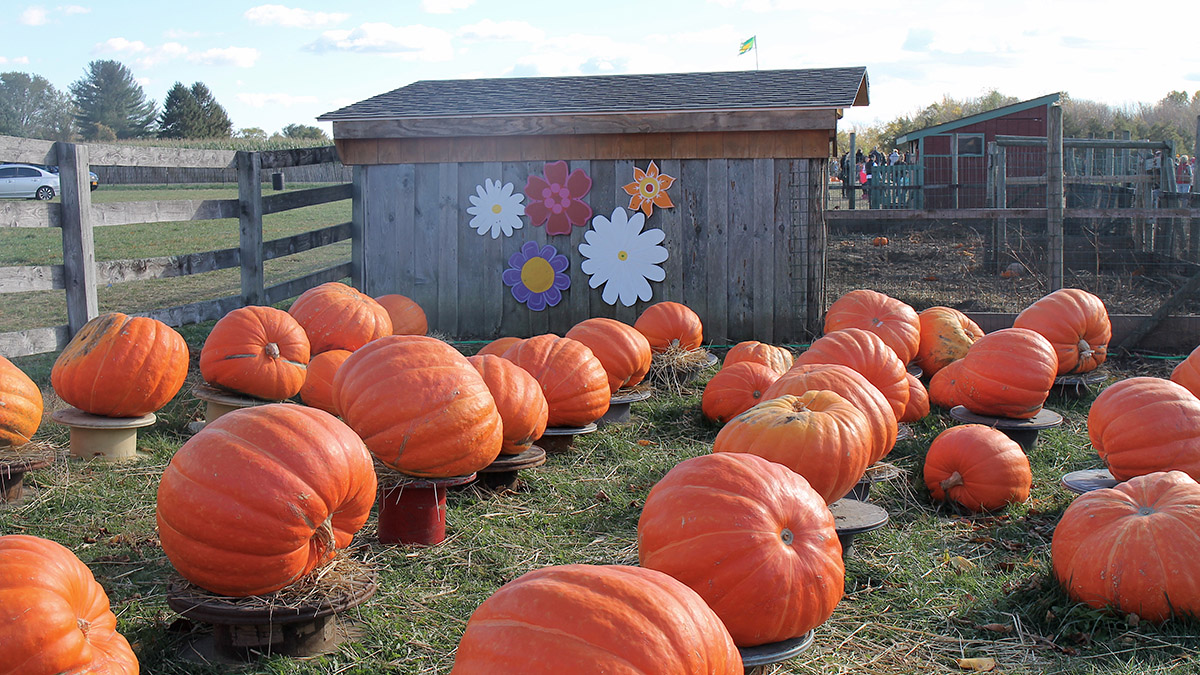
{"points": [[747, 46]]}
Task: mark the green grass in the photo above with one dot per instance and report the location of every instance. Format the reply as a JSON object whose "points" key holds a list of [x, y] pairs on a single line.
{"points": [[911, 604]]}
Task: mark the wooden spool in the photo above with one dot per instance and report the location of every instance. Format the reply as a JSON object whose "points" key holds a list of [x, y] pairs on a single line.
{"points": [[1087, 480], [110, 439], [619, 405], [852, 518], [1078, 385], [756, 659], [18, 461], [562, 439], [1023, 431], [502, 474], [879, 472], [222, 401]]}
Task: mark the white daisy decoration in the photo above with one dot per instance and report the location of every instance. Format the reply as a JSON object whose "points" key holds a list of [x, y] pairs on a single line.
{"points": [[622, 257], [496, 209]]}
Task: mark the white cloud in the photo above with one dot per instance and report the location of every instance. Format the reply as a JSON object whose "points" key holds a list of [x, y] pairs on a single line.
{"points": [[241, 57], [34, 16], [119, 45], [16, 59], [445, 6], [292, 17], [176, 34], [72, 9], [166, 52], [518, 31], [414, 43], [274, 100]]}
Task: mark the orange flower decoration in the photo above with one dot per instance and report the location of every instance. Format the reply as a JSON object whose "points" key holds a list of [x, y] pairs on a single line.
{"points": [[649, 189]]}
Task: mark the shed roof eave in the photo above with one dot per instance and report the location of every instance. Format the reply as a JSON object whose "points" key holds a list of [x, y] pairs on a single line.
{"points": [[376, 118], [979, 117]]}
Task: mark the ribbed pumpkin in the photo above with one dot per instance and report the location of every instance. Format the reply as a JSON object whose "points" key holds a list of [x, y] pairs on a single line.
{"points": [[731, 521], [735, 389], [978, 468], [519, 400], [595, 620], [893, 321], [1187, 373], [498, 346], [257, 351], [1145, 424], [850, 385], [318, 385], [337, 316], [866, 353], [54, 617], [420, 406], [775, 358], [622, 349], [20, 405], [572, 378], [121, 366], [818, 434], [1076, 323], [261, 496], [670, 323], [1007, 373], [406, 316], [1131, 547], [918, 401], [946, 335]]}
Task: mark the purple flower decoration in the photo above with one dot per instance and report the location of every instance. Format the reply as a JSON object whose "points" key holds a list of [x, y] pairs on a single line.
{"points": [[536, 275], [556, 200]]}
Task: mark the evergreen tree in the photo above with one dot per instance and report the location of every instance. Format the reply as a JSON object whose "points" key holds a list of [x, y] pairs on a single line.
{"points": [[108, 95], [181, 115], [31, 107], [215, 122]]}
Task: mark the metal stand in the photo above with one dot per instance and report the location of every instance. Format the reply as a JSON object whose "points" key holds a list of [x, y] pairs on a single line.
{"points": [[501, 474], [562, 439], [1078, 385], [754, 659], [915, 370], [413, 510], [879, 472], [1087, 480], [16, 462], [111, 439], [904, 433], [852, 517], [1024, 432], [220, 402], [618, 407]]}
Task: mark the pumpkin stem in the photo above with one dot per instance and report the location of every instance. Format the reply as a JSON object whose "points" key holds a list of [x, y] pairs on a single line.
{"points": [[272, 350], [1085, 350], [325, 537], [84, 625], [954, 480]]}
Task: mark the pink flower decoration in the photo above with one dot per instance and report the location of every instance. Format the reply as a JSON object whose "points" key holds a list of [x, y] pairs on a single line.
{"points": [[556, 200]]}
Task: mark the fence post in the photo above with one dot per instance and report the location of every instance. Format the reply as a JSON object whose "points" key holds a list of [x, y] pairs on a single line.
{"points": [[250, 215], [358, 240], [1055, 198], [79, 250], [817, 237], [1194, 222]]}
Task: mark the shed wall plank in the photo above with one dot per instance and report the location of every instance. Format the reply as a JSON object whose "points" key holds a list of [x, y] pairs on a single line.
{"points": [[716, 322]]}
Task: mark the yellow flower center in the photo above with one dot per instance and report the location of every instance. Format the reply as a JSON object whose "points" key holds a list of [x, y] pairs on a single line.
{"points": [[537, 274], [496, 208], [622, 255]]}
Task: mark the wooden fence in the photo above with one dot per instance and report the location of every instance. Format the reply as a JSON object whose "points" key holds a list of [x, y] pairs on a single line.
{"points": [[175, 175], [77, 217]]}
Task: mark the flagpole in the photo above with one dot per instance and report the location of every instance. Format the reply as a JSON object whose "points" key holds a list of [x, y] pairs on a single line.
{"points": [[755, 52]]}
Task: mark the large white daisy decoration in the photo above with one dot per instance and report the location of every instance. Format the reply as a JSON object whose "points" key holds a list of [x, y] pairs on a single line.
{"points": [[622, 257], [496, 209]]}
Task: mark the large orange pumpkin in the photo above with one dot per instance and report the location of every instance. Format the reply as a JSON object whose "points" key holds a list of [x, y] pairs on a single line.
{"points": [[572, 378], [818, 434], [519, 400], [865, 352], [498, 346], [406, 315], [1187, 373], [318, 384], [54, 617], [1076, 323], [261, 496], [946, 335], [622, 349], [731, 521], [1145, 424], [20, 405], [775, 358], [850, 385], [121, 366], [593, 620], [893, 321], [978, 468], [735, 389], [670, 323], [420, 406], [257, 351], [337, 316], [1129, 547], [918, 401], [1007, 373]]}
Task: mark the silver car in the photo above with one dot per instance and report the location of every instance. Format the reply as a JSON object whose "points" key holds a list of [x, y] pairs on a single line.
{"points": [[27, 181]]}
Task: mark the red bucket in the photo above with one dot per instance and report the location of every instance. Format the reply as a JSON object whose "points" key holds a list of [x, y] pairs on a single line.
{"points": [[414, 511]]}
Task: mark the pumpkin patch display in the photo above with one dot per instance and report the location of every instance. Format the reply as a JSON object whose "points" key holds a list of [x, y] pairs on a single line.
{"points": [[1187, 373], [406, 316], [622, 350], [1076, 324], [735, 389], [946, 335], [519, 400], [667, 324], [121, 366], [595, 619], [318, 384], [261, 496], [866, 353], [1129, 547], [977, 467], [573, 380], [893, 321], [775, 358], [1007, 373], [819, 435], [918, 400], [1143, 425], [54, 617], [420, 406], [337, 316], [727, 522], [498, 346], [257, 351], [20, 405]]}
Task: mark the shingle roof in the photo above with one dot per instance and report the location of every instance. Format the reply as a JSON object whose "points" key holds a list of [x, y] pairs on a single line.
{"points": [[741, 90], [979, 117]]}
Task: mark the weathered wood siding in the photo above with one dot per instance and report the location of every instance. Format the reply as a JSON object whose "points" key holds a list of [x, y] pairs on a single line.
{"points": [[738, 240]]}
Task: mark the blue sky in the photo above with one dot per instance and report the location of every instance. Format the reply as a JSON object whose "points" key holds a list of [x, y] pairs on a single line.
{"points": [[275, 64]]}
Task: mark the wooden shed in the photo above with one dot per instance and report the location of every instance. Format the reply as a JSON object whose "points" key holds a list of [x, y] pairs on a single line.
{"points": [[741, 217]]}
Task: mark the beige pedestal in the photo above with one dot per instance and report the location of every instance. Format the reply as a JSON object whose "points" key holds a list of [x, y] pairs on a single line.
{"points": [[219, 401], [111, 439]]}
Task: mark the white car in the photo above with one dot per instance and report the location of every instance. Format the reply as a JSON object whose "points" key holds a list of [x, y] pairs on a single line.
{"points": [[27, 181]]}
